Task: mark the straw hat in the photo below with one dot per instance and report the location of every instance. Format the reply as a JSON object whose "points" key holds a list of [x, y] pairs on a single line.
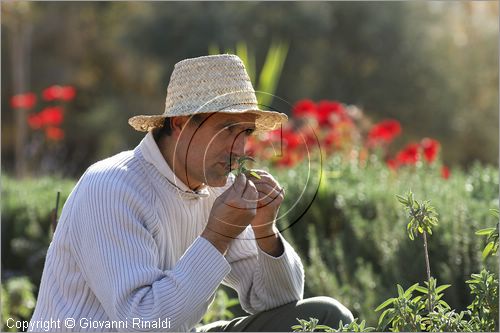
{"points": [[217, 83]]}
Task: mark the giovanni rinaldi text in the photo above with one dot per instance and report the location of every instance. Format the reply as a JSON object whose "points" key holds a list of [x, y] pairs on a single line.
{"points": [[86, 323]]}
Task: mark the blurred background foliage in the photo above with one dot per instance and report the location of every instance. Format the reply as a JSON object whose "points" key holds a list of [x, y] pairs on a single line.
{"points": [[431, 65]]}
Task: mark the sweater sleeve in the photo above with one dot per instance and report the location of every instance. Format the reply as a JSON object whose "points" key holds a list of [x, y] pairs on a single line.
{"points": [[262, 281], [119, 258]]}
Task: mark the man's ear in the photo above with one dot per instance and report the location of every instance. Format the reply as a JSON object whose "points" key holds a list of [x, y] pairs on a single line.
{"points": [[177, 124]]}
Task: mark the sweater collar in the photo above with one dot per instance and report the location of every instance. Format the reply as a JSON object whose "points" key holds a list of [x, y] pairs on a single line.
{"points": [[152, 154]]}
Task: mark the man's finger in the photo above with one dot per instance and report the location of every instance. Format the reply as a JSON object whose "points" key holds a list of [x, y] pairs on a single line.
{"points": [[269, 197], [263, 187], [239, 184], [250, 193], [264, 177]]}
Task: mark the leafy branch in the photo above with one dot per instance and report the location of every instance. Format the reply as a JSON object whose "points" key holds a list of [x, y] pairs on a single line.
{"points": [[491, 234], [422, 218]]}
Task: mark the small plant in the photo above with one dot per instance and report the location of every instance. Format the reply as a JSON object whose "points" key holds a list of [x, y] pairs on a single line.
{"points": [[353, 326], [422, 218], [311, 325], [445, 320], [484, 307], [241, 168], [406, 312], [491, 234]]}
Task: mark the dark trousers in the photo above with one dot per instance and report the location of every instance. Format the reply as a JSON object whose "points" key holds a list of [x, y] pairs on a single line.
{"points": [[327, 310]]}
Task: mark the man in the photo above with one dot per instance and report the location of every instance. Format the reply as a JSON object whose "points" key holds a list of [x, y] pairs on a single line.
{"points": [[147, 236]]}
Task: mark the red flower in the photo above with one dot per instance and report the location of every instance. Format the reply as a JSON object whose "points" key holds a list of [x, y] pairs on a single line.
{"points": [[384, 131], [392, 163], [273, 136], [64, 93], [54, 133], [331, 139], [35, 121], [409, 155], [291, 139], [52, 116], [330, 112], [430, 148], [445, 172], [304, 108], [309, 136], [23, 101]]}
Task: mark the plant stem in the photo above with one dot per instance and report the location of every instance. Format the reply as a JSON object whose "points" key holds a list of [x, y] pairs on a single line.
{"points": [[428, 266]]}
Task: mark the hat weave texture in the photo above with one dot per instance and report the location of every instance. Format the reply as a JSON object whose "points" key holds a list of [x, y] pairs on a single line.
{"points": [[217, 83]]}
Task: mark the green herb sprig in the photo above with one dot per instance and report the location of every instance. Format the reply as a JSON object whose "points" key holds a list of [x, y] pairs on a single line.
{"points": [[242, 166]]}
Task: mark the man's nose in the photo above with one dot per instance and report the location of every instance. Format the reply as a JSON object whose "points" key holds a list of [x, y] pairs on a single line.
{"points": [[238, 146]]}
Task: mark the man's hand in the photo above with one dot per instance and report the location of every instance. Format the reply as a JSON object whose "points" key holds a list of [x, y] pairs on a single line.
{"points": [[271, 195], [231, 213]]}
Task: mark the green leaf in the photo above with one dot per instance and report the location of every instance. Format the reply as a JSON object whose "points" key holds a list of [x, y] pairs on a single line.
{"points": [[242, 52], [323, 327], [422, 289], [384, 304], [443, 303], [410, 290], [271, 72], [443, 287], [382, 316], [485, 232], [386, 317], [402, 199], [256, 175], [400, 291], [488, 249]]}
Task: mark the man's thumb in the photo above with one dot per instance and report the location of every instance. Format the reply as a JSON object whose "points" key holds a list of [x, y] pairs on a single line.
{"points": [[239, 182]]}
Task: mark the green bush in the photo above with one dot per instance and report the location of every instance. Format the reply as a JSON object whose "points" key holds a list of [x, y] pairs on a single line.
{"points": [[18, 301], [27, 208], [353, 238], [429, 312]]}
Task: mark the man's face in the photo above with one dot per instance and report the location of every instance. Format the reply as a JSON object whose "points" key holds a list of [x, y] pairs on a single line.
{"points": [[207, 150]]}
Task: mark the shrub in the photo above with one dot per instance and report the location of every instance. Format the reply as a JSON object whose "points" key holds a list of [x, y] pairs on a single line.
{"points": [[353, 237], [27, 208], [18, 301], [429, 312]]}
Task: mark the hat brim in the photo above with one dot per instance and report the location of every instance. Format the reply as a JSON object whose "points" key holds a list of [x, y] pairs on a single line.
{"points": [[265, 121]]}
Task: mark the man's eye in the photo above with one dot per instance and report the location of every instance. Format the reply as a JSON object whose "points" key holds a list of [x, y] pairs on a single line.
{"points": [[249, 131]]}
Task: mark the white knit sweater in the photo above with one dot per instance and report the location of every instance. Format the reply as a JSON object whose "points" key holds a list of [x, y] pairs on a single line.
{"points": [[127, 253]]}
